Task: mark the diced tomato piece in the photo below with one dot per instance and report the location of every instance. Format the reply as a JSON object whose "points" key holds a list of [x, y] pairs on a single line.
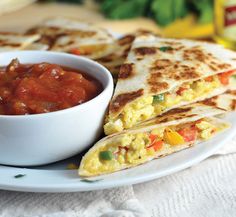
{"points": [[189, 134], [224, 77], [75, 51], [152, 137], [209, 79], [157, 145], [181, 90], [73, 95]]}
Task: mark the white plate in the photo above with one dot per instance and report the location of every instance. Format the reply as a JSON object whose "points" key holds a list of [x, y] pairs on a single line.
{"points": [[55, 178]]}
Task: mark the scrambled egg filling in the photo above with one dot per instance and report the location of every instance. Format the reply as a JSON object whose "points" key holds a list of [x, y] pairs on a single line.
{"points": [[145, 107], [134, 149]]}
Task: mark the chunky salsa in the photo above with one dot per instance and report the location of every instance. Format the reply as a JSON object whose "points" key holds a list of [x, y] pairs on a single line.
{"points": [[44, 87]]}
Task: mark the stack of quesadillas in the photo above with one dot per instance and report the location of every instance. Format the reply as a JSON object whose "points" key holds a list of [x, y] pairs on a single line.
{"points": [[161, 74], [153, 112]]}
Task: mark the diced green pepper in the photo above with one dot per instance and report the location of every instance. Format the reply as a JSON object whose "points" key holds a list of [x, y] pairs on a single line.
{"points": [[165, 48], [105, 155], [158, 98], [234, 76]]}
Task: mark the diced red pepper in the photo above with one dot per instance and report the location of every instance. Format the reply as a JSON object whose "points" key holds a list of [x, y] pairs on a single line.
{"points": [[181, 90], [189, 134], [209, 79], [224, 77], [152, 137], [155, 144], [75, 51]]}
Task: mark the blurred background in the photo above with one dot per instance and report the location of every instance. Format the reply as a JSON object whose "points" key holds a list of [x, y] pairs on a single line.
{"points": [[171, 18]]}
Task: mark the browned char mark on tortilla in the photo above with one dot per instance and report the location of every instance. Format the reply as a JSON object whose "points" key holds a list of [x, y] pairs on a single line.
{"points": [[175, 114], [178, 111], [141, 51], [157, 86], [50, 34], [107, 59], [196, 53], [126, 40], [167, 69], [231, 92], [233, 105], [210, 101], [126, 71], [9, 44], [122, 99]]}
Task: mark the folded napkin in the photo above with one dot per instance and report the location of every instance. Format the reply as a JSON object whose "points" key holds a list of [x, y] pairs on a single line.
{"points": [[119, 202], [207, 189]]}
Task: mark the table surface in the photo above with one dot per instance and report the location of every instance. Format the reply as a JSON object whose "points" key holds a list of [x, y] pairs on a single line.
{"points": [[33, 14]]}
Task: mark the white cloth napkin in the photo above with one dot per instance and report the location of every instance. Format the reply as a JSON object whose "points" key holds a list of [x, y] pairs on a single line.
{"points": [[207, 189]]}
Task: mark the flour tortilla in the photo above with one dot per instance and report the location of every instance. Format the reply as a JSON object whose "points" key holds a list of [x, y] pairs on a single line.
{"points": [[185, 114], [148, 70], [63, 34], [37, 46], [15, 41], [226, 100], [114, 60]]}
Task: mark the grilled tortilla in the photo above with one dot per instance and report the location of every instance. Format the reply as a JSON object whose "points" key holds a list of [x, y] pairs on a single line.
{"points": [[114, 60], [16, 41], [161, 74], [37, 46], [72, 36], [175, 130], [226, 100]]}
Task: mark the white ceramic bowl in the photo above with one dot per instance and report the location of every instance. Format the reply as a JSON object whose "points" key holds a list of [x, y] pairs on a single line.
{"points": [[28, 140]]}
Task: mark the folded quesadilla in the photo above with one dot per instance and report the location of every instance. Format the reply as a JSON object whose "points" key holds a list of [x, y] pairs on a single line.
{"points": [[114, 60], [175, 130], [15, 41], [72, 36], [160, 74], [226, 100], [37, 46]]}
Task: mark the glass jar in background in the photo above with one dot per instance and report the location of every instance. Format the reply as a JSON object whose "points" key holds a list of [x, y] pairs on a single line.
{"points": [[225, 22]]}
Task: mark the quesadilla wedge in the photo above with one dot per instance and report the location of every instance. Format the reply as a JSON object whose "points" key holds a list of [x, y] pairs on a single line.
{"points": [[226, 100], [16, 41], [72, 36], [176, 130], [160, 74], [37, 46], [114, 60]]}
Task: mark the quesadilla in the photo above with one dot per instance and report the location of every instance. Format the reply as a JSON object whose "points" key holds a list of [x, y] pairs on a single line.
{"points": [[160, 74], [226, 100], [37, 46], [72, 36], [15, 41], [114, 60], [176, 130]]}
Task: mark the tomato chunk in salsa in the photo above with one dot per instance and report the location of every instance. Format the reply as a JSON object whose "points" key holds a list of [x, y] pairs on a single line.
{"points": [[44, 87]]}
